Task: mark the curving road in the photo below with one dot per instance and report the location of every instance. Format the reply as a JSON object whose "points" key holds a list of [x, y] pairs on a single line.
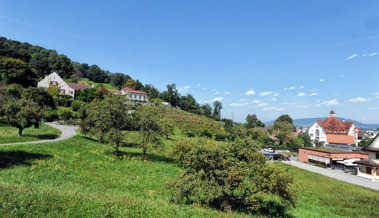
{"points": [[67, 132]]}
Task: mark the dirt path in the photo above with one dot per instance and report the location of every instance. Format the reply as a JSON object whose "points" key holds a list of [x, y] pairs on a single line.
{"points": [[67, 132]]}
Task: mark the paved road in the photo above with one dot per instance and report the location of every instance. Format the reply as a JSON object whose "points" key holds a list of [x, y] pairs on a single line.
{"points": [[336, 174], [67, 132]]}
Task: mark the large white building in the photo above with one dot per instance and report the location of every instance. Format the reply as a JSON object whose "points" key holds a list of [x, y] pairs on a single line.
{"points": [[134, 94], [334, 131], [63, 87]]}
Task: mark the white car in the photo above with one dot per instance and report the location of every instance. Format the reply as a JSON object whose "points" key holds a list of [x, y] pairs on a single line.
{"points": [[269, 150]]}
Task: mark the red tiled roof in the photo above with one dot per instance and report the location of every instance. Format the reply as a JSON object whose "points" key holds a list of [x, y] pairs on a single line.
{"points": [[340, 139], [134, 91], [109, 90], [334, 125], [77, 86]]}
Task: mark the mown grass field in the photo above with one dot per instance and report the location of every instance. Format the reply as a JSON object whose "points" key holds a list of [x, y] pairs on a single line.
{"points": [[79, 177], [9, 134]]}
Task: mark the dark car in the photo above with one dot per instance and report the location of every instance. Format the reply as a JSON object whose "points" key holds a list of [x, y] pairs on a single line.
{"points": [[278, 157]]}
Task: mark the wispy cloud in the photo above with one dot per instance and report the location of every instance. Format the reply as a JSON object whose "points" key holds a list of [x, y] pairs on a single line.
{"points": [[352, 56], [302, 106], [244, 99], [227, 93], [313, 94], [374, 108], [237, 104], [261, 105], [217, 92], [322, 80], [250, 92], [331, 102], [198, 85], [341, 75], [358, 100], [265, 93], [373, 54], [301, 87], [292, 88], [301, 94], [274, 108], [256, 101], [184, 89], [217, 99]]}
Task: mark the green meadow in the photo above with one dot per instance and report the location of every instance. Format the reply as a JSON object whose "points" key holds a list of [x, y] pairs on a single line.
{"points": [[80, 177], [8, 134]]}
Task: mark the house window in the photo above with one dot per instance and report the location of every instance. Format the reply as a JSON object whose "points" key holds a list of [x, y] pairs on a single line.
{"points": [[377, 156]]}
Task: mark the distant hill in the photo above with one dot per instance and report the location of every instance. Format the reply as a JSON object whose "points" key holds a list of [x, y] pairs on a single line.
{"points": [[310, 121]]}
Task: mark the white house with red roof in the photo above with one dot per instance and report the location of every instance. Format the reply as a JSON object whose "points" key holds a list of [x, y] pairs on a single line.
{"points": [[134, 94], [369, 168], [63, 87], [334, 131]]}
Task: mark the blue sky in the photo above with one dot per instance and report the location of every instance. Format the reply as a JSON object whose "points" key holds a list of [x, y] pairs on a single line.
{"points": [[269, 58]]}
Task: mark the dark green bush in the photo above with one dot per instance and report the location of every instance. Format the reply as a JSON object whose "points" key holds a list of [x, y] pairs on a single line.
{"points": [[233, 177], [51, 115]]}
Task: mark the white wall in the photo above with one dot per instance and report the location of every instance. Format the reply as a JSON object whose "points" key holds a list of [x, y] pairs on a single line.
{"points": [[62, 85]]}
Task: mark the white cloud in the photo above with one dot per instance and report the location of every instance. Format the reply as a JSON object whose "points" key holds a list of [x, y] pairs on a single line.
{"points": [[373, 54], [205, 88], [285, 89], [314, 90], [265, 93], [313, 94], [352, 56], [184, 89], [250, 92], [217, 99], [341, 75], [227, 93], [256, 101], [331, 102], [261, 105], [198, 84], [272, 99], [216, 93], [364, 55], [322, 80], [374, 108], [292, 88], [301, 106], [301, 94], [301, 87], [273, 109], [275, 94], [237, 104], [244, 99], [357, 100]]}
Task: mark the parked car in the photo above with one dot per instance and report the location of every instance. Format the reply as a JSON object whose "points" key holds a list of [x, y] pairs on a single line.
{"points": [[278, 157], [269, 150]]}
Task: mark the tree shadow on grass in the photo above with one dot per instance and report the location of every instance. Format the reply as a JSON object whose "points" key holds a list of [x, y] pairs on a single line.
{"points": [[138, 155], [10, 158], [42, 136]]}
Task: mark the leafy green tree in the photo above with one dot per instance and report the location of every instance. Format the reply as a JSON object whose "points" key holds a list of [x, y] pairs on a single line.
{"points": [[106, 120], [22, 114], [233, 177], [285, 118], [89, 95], [40, 61], [64, 113], [252, 121], [283, 131], [207, 109], [130, 83], [151, 91], [217, 106], [151, 126], [307, 141], [119, 79], [16, 71], [171, 95], [40, 96], [365, 142], [188, 103]]}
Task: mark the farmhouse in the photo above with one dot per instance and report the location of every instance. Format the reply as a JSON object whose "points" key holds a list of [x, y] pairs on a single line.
{"points": [[333, 131], [134, 94], [369, 168], [63, 87]]}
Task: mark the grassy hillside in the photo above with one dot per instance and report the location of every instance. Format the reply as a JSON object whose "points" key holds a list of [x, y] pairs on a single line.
{"points": [[105, 85], [9, 134], [194, 124], [79, 177]]}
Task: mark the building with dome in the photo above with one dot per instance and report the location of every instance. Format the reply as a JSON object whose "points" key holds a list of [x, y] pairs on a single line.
{"points": [[333, 131]]}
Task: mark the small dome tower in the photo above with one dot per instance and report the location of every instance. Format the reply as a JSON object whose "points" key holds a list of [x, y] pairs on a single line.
{"points": [[332, 113]]}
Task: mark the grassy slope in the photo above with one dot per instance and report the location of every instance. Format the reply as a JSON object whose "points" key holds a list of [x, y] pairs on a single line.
{"points": [[78, 177], [8, 134], [105, 85]]}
